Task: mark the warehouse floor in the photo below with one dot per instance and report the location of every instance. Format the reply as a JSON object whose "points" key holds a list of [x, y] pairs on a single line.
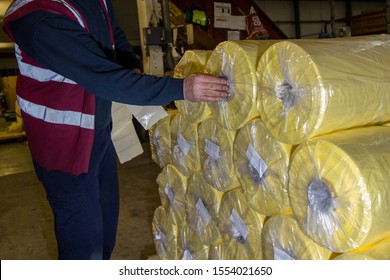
{"points": [[26, 221]]}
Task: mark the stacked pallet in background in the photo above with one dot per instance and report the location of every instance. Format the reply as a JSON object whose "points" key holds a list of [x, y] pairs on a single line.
{"points": [[291, 165]]}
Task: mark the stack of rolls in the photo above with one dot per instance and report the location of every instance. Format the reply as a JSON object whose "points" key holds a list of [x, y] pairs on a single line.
{"points": [[172, 189], [160, 140], [203, 202], [377, 251], [339, 188], [189, 246], [282, 239], [262, 164], [184, 140], [165, 235], [192, 61], [237, 61], [216, 155], [314, 87], [240, 227]]}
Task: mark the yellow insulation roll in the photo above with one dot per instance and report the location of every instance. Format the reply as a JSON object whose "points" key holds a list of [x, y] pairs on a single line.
{"points": [[262, 168], [282, 239], [377, 251], [237, 61], [165, 235], [339, 188], [240, 228], [189, 245], [216, 155], [184, 136], [215, 252], [192, 61], [203, 202], [160, 140], [314, 87], [172, 189]]}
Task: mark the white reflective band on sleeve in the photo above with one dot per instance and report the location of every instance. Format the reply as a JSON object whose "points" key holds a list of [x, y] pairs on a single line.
{"points": [[56, 116], [37, 73]]}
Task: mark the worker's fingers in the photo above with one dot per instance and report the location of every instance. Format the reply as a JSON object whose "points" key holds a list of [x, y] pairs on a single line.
{"points": [[205, 88]]}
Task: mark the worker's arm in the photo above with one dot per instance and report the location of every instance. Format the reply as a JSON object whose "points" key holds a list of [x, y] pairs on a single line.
{"points": [[62, 45]]}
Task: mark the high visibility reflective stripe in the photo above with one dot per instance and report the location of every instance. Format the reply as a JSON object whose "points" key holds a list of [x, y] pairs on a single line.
{"points": [[37, 73], [56, 116]]}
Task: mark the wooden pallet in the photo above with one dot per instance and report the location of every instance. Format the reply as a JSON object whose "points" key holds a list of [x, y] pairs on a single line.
{"points": [[15, 136]]}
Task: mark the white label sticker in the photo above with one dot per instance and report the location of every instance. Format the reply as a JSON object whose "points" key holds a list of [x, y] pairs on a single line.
{"points": [[256, 161], [204, 214], [281, 255], [169, 193], [212, 149], [239, 224], [183, 144]]}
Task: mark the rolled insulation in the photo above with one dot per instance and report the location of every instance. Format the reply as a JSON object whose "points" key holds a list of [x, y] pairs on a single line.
{"points": [[262, 164], [203, 202], [192, 61], [216, 155], [237, 61], [282, 239], [215, 252], [184, 136], [189, 245], [160, 140], [377, 251], [314, 87], [172, 189], [165, 235], [240, 227], [339, 188]]}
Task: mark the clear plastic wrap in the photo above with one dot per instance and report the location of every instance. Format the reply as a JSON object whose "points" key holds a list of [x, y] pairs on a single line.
{"points": [[203, 203], [237, 61], [282, 239], [193, 61], [313, 87], [216, 155], [339, 188], [240, 227], [184, 137], [164, 235], [189, 245], [172, 189], [147, 116], [262, 168], [377, 251], [160, 140]]}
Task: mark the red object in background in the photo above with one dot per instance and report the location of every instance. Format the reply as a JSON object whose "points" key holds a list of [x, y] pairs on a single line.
{"points": [[254, 27]]}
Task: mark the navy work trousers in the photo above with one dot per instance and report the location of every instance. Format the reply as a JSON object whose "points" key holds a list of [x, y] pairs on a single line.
{"points": [[85, 207]]}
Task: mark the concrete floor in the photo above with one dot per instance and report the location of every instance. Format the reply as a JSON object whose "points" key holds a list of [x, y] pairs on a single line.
{"points": [[26, 220]]}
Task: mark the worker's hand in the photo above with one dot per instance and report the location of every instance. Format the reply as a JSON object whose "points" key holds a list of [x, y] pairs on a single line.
{"points": [[205, 88]]}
